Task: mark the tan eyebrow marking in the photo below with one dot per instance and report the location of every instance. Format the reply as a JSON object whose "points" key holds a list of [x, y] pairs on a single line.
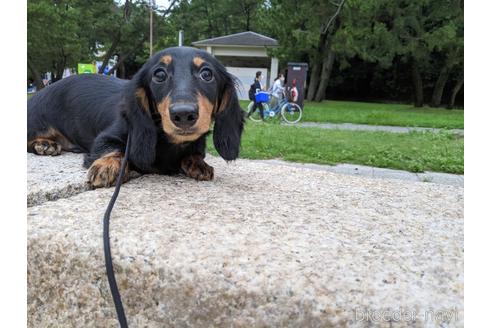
{"points": [[167, 59], [198, 61]]}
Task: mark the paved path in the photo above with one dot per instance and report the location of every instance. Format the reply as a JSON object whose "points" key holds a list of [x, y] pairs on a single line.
{"points": [[367, 127], [263, 245], [380, 173]]}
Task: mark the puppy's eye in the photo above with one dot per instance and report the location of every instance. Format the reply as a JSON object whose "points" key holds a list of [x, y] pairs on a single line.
{"points": [[160, 75], [206, 74]]}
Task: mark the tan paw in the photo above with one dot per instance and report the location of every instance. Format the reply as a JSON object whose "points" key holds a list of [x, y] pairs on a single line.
{"points": [[105, 170], [46, 147], [195, 167]]}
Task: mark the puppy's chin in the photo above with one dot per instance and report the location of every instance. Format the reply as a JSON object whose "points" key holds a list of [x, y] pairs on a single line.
{"points": [[179, 136]]}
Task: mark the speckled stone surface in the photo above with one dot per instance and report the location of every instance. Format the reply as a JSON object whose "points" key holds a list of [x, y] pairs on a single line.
{"points": [[260, 246], [53, 177]]}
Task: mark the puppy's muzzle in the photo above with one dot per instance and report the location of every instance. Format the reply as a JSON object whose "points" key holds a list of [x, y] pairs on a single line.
{"points": [[184, 115]]}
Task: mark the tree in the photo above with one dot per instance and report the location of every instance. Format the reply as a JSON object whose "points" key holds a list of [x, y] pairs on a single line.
{"points": [[126, 31], [387, 31], [79, 30], [447, 41], [333, 23], [65, 43], [381, 49], [203, 19], [421, 34], [304, 34], [460, 80]]}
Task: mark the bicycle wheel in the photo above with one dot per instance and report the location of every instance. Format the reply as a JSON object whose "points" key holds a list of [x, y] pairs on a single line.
{"points": [[291, 113], [255, 117]]}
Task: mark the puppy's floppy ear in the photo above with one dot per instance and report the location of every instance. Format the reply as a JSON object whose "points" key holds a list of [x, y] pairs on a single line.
{"points": [[229, 122], [141, 126]]}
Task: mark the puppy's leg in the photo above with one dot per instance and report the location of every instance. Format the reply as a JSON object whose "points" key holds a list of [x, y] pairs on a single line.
{"points": [[104, 171], [195, 167], [104, 160]]}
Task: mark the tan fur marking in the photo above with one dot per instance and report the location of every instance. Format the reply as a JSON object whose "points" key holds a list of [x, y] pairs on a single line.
{"points": [[42, 146], [142, 97], [163, 109], [105, 170], [226, 97], [166, 59], [55, 140], [205, 108], [195, 167], [198, 61]]}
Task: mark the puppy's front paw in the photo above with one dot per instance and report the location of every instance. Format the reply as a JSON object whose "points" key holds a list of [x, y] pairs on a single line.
{"points": [[105, 170], [195, 167]]}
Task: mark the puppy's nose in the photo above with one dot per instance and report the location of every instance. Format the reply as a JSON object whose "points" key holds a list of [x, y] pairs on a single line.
{"points": [[184, 115]]}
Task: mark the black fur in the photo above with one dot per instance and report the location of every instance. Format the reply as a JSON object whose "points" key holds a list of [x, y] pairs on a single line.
{"points": [[229, 126], [95, 113]]}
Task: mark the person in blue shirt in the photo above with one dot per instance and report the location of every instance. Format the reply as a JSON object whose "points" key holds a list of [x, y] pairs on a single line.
{"points": [[258, 87]]}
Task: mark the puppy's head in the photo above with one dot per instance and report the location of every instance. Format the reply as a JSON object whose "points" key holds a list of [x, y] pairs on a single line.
{"points": [[188, 89]]}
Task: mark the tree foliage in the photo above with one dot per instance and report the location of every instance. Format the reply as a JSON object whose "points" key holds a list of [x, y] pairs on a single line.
{"points": [[424, 38], [55, 37], [372, 49]]}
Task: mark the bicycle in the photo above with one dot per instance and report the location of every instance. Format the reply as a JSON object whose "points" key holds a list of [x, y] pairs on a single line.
{"points": [[290, 112]]}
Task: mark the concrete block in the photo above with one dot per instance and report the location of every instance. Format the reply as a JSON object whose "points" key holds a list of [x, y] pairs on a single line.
{"points": [[53, 177], [260, 246]]}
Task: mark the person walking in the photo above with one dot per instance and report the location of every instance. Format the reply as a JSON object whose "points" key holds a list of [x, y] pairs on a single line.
{"points": [[278, 89], [257, 86]]}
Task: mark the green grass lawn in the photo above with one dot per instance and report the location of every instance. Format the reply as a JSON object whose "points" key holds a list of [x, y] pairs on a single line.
{"points": [[416, 151], [380, 114]]}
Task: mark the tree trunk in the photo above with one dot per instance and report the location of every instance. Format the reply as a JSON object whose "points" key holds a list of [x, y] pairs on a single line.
{"points": [[209, 21], [313, 82], [439, 87], [325, 75], [317, 64], [327, 55], [248, 20], [59, 67], [61, 70], [110, 52], [38, 80], [122, 72], [418, 85], [456, 89]]}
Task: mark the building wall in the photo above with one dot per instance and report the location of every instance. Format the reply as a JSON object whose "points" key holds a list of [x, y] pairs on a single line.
{"points": [[246, 76]]}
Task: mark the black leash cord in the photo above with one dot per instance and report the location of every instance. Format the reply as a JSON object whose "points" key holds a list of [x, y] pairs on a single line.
{"points": [[120, 311]]}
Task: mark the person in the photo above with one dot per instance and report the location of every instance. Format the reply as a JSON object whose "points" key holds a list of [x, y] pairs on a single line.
{"points": [[257, 87], [278, 89], [294, 93]]}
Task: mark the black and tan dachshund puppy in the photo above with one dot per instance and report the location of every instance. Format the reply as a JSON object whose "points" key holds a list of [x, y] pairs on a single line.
{"points": [[168, 108]]}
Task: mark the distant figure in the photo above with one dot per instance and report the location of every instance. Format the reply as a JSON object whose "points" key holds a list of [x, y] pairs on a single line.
{"points": [[294, 93], [257, 87], [278, 89]]}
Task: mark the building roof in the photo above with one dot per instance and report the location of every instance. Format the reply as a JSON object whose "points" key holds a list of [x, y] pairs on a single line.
{"points": [[247, 38]]}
